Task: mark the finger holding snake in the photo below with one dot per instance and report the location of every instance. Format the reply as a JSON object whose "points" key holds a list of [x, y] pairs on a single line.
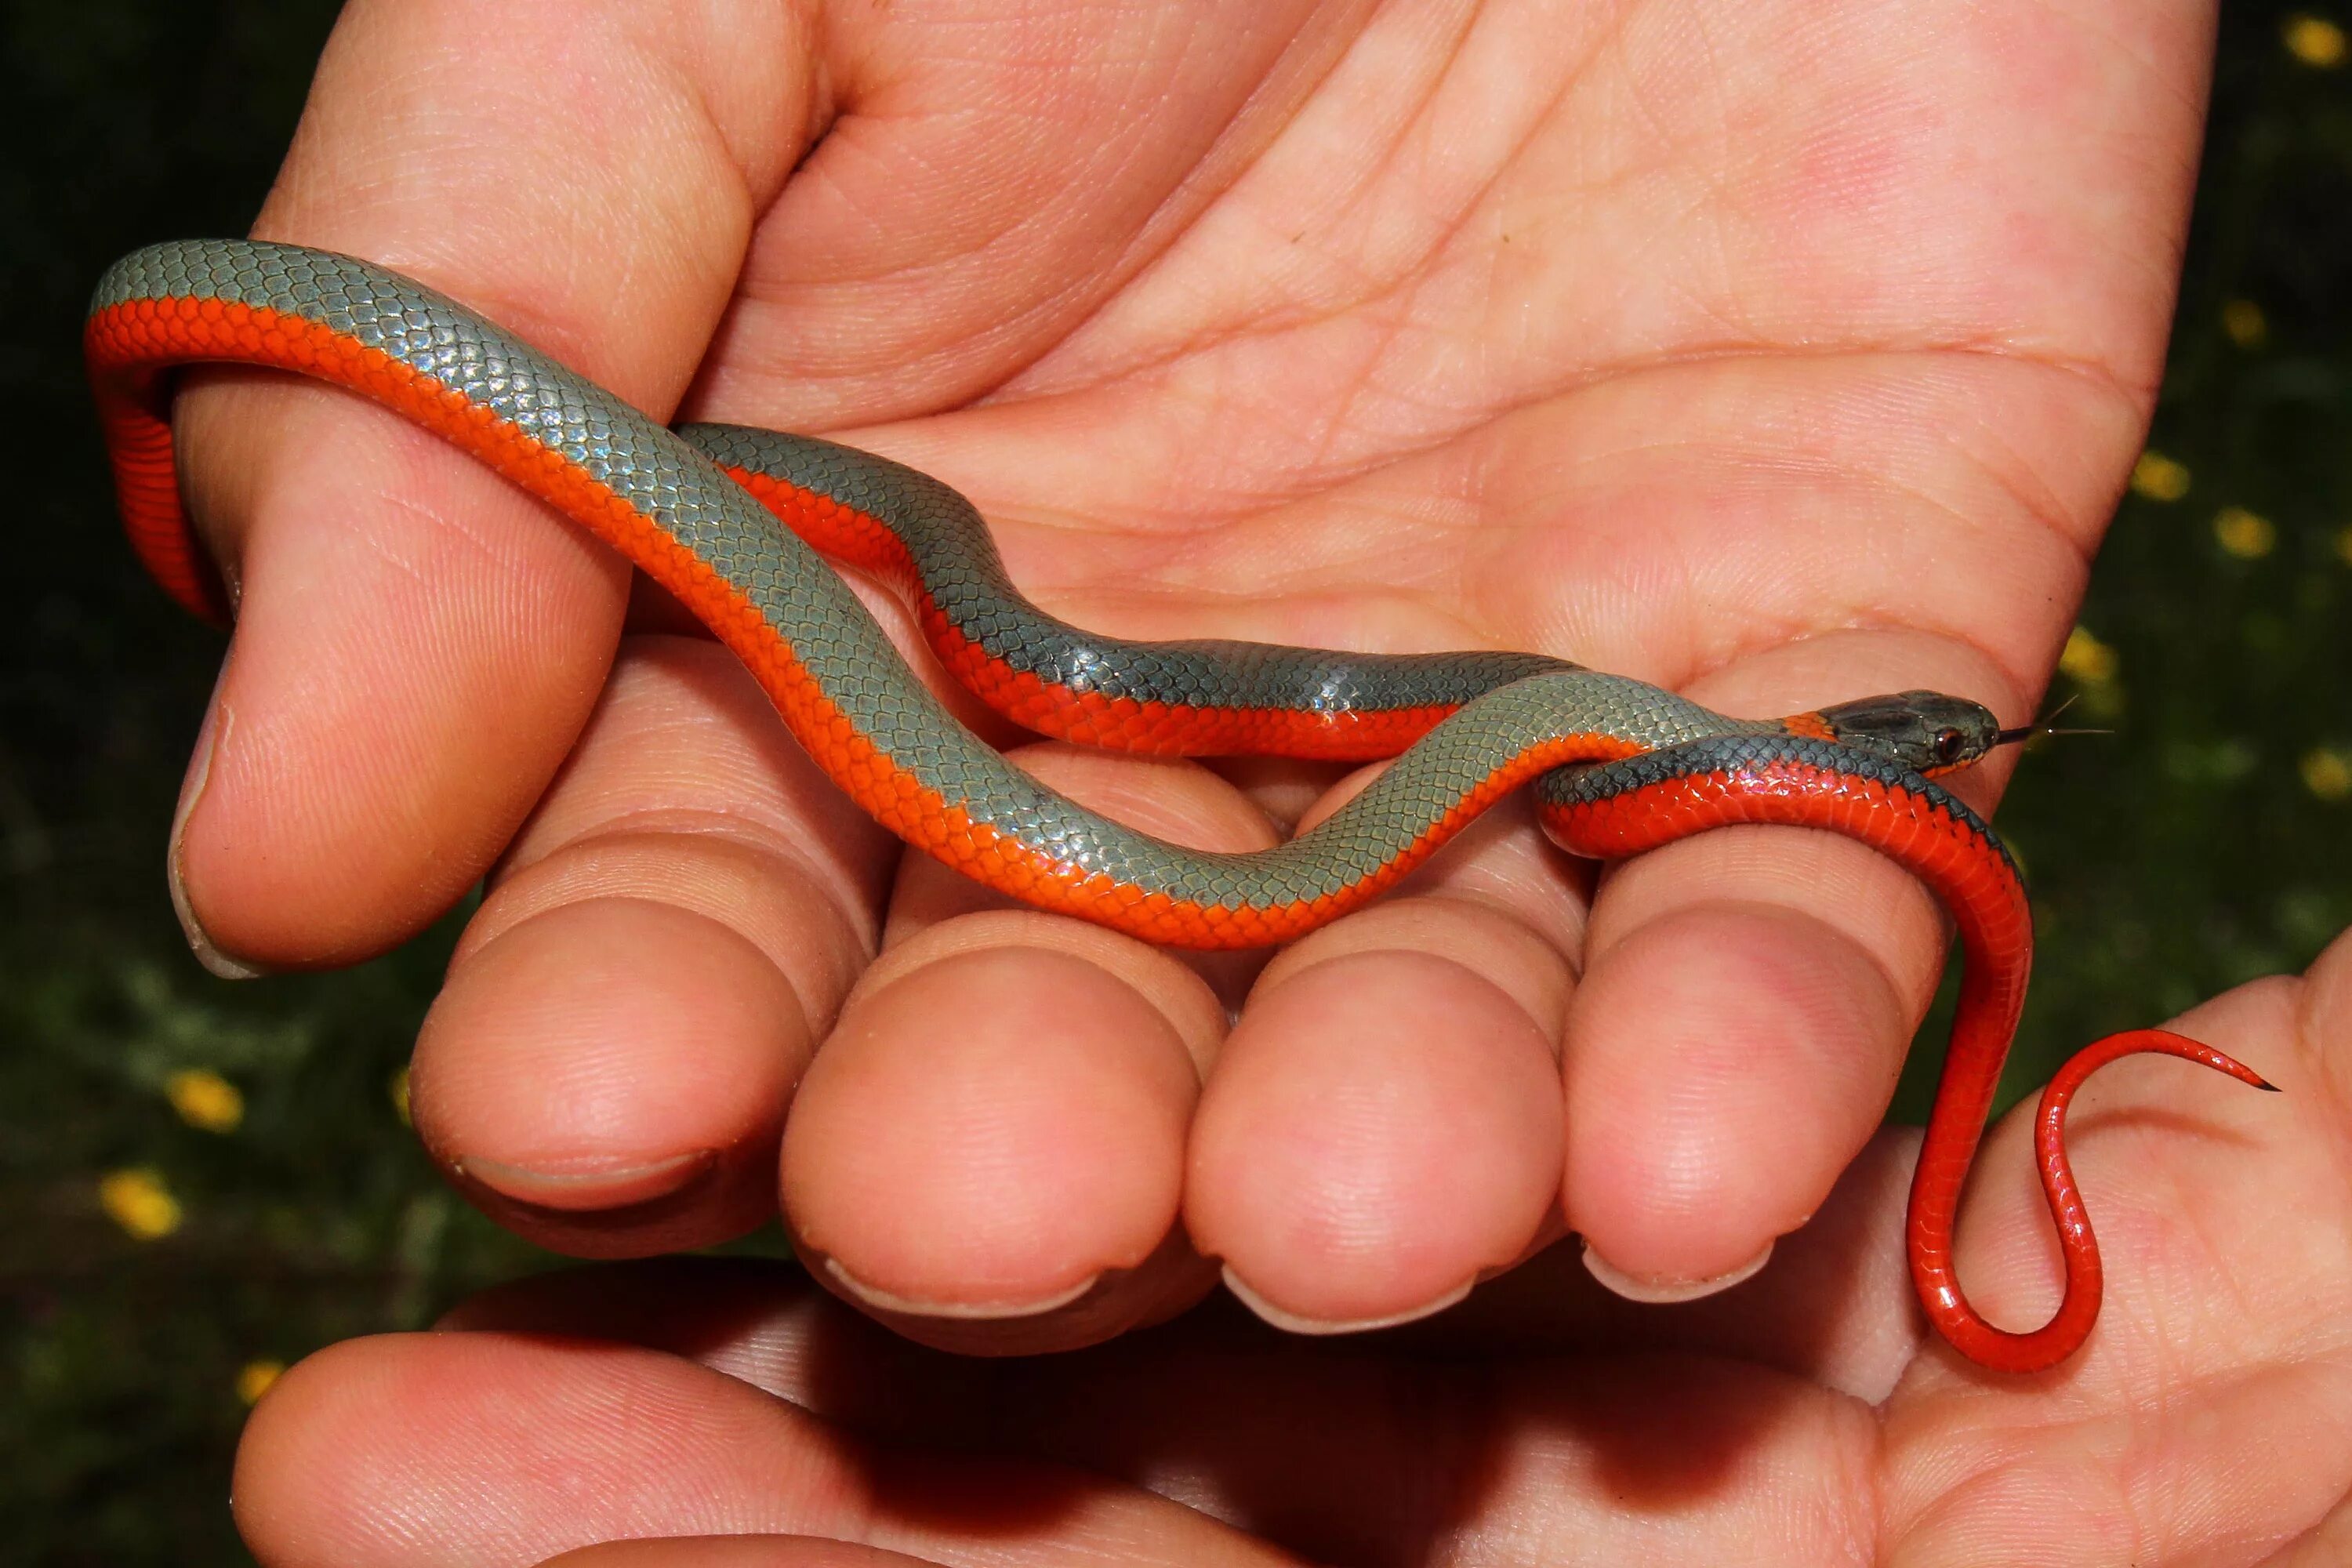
{"points": [[1695, 1057]]}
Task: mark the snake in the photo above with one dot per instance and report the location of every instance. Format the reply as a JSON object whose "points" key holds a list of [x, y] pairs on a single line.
{"points": [[736, 523]]}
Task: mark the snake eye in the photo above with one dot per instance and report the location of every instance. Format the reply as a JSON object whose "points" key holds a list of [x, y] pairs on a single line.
{"points": [[1949, 743]]}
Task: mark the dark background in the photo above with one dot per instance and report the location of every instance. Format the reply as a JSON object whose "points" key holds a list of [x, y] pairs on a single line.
{"points": [[2208, 841]]}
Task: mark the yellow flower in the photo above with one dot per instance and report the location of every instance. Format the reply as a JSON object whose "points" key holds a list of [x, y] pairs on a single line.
{"points": [[138, 1201], [2247, 535], [2314, 41], [2344, 545], [2088, 659], [2159, 477], [254, 1378], [2328, 773], [205, 1099], [2242, 319], [398, 1090]]}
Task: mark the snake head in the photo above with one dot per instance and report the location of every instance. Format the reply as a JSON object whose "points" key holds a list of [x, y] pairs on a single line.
{"points": [[1925, 732]]}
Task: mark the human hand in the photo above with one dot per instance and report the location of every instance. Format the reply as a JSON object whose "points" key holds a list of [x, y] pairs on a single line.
{"points": [[1678, 351], [1802, 1418]]}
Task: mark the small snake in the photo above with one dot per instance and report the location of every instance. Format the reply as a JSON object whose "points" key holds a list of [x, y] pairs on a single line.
{"points": [[696, 511]]}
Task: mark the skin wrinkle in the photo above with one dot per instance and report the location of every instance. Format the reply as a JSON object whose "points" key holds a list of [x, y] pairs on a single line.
{"points": [[2215, 1251], [1866, 612], [660, 709], [379, 549], [1571, 77], [1913, 996], [1721, 154], [1261, 529], [1444, 232], [784, 363], [817, 970], [741, 829], [1715, 197], [1290, 316], [1197, 602], [1396, 554], [1503, 892], [1658, 131], [1315, 483], [708, 46], [979, 246], [2052, 522], [1109, 280], [1440, 53], [1711, 655], [2078, 531], [658, 687], [1277, 533], [1127, 153], [1869, 612], [1372, 286], [458, 523], [1222, 165], [1323, 443]]}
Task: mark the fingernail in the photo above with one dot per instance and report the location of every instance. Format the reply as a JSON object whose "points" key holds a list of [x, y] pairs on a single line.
{"points": [[883, 1300], [208, 953], [590, 1188], [1640, 1288], [1293, 1323]]}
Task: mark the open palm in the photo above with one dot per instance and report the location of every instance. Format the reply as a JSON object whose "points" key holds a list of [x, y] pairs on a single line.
{"points": [[1778, 355]]}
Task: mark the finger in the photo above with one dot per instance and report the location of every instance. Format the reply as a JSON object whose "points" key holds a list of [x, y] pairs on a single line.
{"points": [[732, 1552], [440, 1448], [989, 1150], [608, 1066], [1748, 997], [1383, 1128], [1835, 1309], [1338, 1451], [418, 642]]}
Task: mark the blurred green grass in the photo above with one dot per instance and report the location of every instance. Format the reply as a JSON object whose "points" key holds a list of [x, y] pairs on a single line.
{"points": [[2208, 841]]}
